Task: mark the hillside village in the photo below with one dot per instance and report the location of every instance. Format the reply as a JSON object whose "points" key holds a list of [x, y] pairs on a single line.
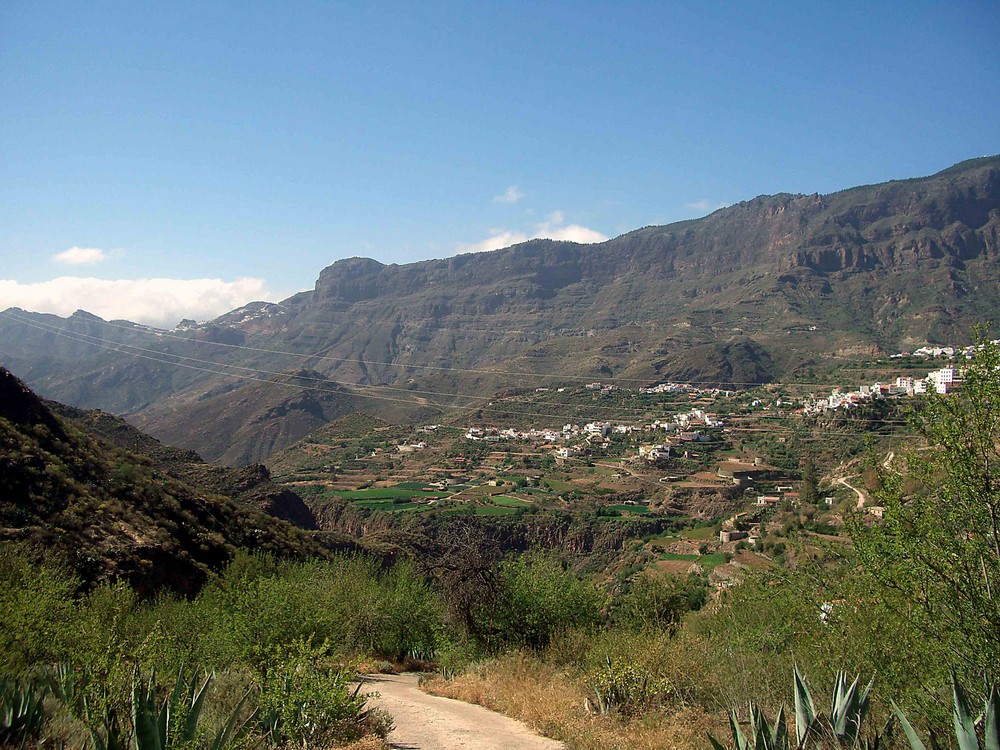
{"points": [[730, 459]]}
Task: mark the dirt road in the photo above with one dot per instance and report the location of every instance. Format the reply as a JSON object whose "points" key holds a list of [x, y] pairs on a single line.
{"points": [[862, 497], [427, 722]]}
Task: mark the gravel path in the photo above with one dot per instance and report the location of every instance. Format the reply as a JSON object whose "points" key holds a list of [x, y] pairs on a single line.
{"points": [[428, 722]]}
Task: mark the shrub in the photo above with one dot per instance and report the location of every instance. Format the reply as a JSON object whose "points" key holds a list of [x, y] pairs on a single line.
{"points": [[306, 699], [655, 602], [350, 601], [538, 597], [624, 687], [37, 615]]}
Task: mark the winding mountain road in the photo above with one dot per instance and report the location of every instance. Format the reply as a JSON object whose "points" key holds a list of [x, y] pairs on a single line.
{"points": [[862, 497], [428, 722]]}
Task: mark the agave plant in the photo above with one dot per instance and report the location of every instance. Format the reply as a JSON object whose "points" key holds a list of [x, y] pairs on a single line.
{"points": [[21, 713], [174, 722], [68, 686], [965, 722], [848, 710], [763, 734]]}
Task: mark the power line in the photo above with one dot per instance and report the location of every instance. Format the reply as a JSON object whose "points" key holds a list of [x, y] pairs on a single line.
{"points": [[267, 376], [180, 359], [437, 368], [124, 349]]}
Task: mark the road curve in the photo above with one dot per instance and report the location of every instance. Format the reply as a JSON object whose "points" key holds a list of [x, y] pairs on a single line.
{"points": [[429, 722]]}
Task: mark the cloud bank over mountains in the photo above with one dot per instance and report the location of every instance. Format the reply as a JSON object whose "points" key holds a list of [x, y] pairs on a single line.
{"points": [[155, 302]]}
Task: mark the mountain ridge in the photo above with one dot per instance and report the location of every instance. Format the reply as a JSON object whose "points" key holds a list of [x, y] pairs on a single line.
{"points": [[748, 293]]}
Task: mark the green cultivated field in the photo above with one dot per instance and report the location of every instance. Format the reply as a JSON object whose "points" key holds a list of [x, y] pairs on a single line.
{"points": [[388, 493], [510, 502], [675, 556], [710, 561]]}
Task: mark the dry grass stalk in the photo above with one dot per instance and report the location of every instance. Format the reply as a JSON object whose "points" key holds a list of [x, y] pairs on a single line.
{"points": [[553, 703]]}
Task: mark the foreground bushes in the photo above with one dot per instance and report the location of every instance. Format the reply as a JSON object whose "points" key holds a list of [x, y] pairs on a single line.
{"points": [[259, 604], [283, 637]]}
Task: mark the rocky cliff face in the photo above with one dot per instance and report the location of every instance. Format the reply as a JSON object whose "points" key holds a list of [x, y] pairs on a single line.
{"points": [[744, 295], [934, 227]]}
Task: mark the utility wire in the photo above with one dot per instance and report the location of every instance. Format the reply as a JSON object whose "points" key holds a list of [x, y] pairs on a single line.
{"points": [[268, 376], [438, 368]]}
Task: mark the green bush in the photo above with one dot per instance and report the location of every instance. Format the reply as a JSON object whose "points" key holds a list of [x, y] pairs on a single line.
{"points": [[654, 602], [538, 598], [352, 602], [306, 698], [37, 614], [625, 687]]}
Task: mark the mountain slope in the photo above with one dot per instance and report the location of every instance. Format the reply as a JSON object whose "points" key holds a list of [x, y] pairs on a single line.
{"points": [[119, 514], [746, 294]]}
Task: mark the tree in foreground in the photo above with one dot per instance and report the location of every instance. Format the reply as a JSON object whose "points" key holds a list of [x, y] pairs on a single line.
{"points": [[937, 555]]}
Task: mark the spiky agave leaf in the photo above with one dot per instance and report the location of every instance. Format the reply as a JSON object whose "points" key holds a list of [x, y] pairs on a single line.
{"points": [[147, 719], [911, 734], [848, 708], [739, 739], [234, 730], [779, 737], [760, 730], [965, 722], [195, 703], [805, 710], [991, 730]]}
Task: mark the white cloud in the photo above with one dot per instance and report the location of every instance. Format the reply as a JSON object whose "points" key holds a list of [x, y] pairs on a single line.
{"points": [[704, 205], [156, 302], [574, 233], [80, 256], [511, 195], [499, 238], [552, 228]]}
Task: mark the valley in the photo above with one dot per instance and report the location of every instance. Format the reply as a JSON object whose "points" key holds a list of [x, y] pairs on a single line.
{"points": [[628, 476], [711, 480], [418, 376], [783, 288]]}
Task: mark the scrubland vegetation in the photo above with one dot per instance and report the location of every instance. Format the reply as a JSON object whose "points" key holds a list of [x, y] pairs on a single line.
{"points": [[650, 660]]}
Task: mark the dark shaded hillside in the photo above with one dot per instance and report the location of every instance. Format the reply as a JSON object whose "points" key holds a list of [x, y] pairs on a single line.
{"points": [[117, 513], [249, 486], [244, 423], [747, 294]]}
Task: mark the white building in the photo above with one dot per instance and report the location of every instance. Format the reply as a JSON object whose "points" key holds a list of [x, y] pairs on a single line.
{"points": [[943, 380]]}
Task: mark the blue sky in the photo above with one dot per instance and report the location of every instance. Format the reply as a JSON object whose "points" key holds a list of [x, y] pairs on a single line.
{"points": [[230, 151]]}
